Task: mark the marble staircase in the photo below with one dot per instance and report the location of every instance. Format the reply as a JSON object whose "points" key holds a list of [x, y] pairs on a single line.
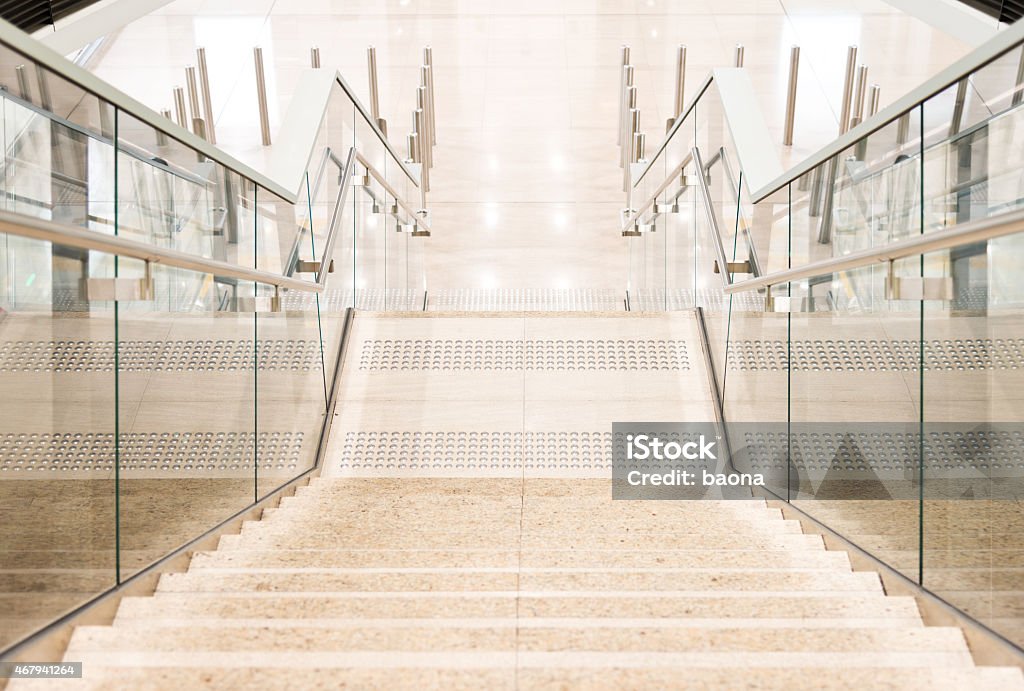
{"points": [[463, 535]]}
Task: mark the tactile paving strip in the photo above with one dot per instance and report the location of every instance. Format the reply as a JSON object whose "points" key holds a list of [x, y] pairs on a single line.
{"points": [[855, 453], [517, 354], [159, 356], [431, 450], [527, 300], [861, 452], [684, 299], [162, 451], [877, 355]]}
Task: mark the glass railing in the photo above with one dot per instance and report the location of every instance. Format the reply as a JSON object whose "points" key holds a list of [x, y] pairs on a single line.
{"points": [[864, 339], [130, 427]]}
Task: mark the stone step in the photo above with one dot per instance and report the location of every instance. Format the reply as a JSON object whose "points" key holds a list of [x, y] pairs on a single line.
{"points": [[814, 558], [497, 636], [521, 523], [525, 604], [287, 676], [510, 538], [472, 580]]}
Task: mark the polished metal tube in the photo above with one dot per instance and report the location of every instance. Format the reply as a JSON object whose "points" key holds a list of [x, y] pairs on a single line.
{"points": [[427, 110], [680, 81], [371, 64], [180, 116], [903, 129], [874, 95], [1018, 89], [42, 81], [419, 128], [639, 140], [413, 146], [634, 126], [622, 87], [957, 120], [627, 81], [740, 55], [422, 149], [193, 92], [204, 86], [261, 95], [857, 114], [421, 105], [626, 137], [23, 87], [428, 60], [851, 67], [314, 57], [794, 70], [161, 138]]}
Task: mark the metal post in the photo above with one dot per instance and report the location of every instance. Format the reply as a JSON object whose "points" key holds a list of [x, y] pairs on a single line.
{"points": [[199, 127], [626, 131], [424, 131], [371, 64], [851, 67], [204, 86], [425, 86], [680, 81], [413, 146], [794, 69], [903, 129], [857, 114], [623, 84], [44, 88], [314, 57], [627, 81], [874, 95], [428, 60], [740, 54], [958, 107], [422, 149], [634, 128], [639, 139], [193, 94], [180, 116], [1018, 89], [161, 138], [23, 87], [261, 95]]}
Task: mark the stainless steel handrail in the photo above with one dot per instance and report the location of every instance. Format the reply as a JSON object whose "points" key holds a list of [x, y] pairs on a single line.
{"points": [[955, 236], [327, 256], [1004, 41], [83, 238], [379, 177], [709, 210], [650, 201]]}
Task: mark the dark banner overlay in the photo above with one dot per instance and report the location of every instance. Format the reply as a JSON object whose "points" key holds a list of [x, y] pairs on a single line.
{"points": [[818, 460]]}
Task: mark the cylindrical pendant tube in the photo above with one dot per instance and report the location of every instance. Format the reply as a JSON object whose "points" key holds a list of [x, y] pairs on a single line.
{"points": [[204, 86], [261, 95], [851, 67], [794, 71]]}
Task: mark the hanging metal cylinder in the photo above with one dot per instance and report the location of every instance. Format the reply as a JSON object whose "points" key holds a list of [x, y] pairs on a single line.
{"points": [[794, 71], [851, 68]]}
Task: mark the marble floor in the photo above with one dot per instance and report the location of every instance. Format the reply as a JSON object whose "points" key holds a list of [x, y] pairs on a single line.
{"points": [[526, 190]]}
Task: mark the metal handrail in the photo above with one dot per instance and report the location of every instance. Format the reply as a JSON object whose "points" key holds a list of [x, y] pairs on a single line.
{"points": [[379, 177], [1004, 41], [83, 238], [955, 236], [650, 201], [709, 210]]}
